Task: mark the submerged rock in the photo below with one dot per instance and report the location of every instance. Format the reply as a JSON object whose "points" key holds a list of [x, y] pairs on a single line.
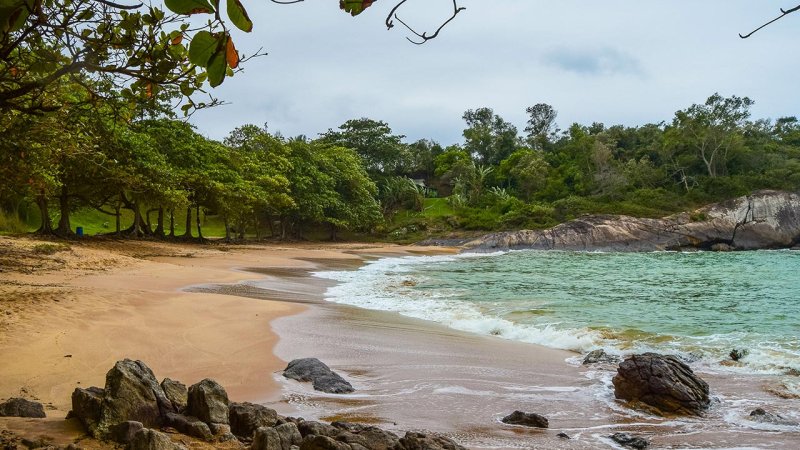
{"points": [[737, 354], [599, 356], [760, 415], [662, 382], [20, 407], [526, 419], [319, 374], [626, 440]]}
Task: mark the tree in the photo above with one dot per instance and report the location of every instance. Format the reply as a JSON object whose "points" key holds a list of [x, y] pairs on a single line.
{"points": [[712, 130], [541, 123], [489, 138], [382, 152]]}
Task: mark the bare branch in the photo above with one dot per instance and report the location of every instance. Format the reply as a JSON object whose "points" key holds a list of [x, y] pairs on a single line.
{"points": [[785, 12], [424, 37]]}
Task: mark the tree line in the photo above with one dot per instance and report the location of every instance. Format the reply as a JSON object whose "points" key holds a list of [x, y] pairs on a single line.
{"points": [[114, 156]]}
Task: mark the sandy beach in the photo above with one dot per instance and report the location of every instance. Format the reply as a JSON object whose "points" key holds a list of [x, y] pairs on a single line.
{"points": [[237, 314]]}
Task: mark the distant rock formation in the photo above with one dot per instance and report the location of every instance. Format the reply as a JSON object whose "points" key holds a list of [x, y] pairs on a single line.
{"points": [[763, 220]]}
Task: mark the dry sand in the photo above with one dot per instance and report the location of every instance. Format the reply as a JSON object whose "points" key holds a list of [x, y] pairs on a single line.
{"points": [[68, 311]]}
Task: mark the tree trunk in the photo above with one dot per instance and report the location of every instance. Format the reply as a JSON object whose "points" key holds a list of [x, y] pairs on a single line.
{"points": [[136, 229], [257, 224], [160, 225], [188, 232], [271, 227], [227, 229], [199, 229], [46, 226], [64, 227], [172, 222], [333, 232], [118, 212]]}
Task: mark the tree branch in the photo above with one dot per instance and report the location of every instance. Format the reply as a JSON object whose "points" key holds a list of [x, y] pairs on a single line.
{"points": [[785, 12]]}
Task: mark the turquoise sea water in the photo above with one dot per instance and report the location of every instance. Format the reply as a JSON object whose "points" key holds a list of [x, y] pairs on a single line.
{"points": [[699, 305]]}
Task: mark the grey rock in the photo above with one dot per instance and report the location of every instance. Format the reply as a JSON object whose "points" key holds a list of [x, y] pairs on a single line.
{"points": [[20, 407], [322, 443], [125, 431], [132, 393], [760, 415], [626, 440], [147, 439], [266, 438], [526, 419], [422, 441], [246, 418], [311, 427], [563, 436], [373, 438], [599, 356], [208, 401], [189, 425], [765, 219], [176, 392], [289, 435], [319, 374], [86, 406], [661, 382]]}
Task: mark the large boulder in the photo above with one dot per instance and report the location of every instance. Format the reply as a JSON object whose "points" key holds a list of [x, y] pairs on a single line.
{"points": [[313, 428], [319, 374], [19, 407], [208, 401], [663, 383], [132, 393], [176, 392], [421, 441], [124, 432], [246, 418], [626, 440], [86, 406], [526, 419], [289, 435], [147, 439]]}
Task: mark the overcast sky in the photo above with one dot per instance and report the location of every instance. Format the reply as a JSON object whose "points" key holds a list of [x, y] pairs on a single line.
{"points": [[618, 62]]}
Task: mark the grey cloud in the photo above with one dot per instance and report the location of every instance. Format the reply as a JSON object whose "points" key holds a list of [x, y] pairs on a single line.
{"points": [[603, 61]]}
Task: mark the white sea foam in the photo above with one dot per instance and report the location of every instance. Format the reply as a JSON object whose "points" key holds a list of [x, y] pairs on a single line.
{"points": [[387, 285]]}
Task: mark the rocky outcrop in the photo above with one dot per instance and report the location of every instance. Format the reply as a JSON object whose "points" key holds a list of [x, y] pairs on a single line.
{"points": [[765, 219], [20, 407], [246, 418], [189, 425], [526, 419], [662, 384], [319, 374]]}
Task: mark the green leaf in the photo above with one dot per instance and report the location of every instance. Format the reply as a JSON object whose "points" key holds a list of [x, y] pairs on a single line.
{"points": [[202, 48], [355, 7], [217, 68], [239, 16], [189, 6]]}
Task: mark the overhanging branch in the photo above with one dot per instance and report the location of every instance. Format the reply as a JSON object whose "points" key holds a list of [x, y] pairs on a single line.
{"points": [[784, 13]]}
